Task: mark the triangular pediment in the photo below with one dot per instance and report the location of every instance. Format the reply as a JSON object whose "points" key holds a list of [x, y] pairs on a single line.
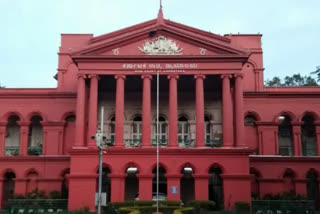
{"points": [[167, 38]]}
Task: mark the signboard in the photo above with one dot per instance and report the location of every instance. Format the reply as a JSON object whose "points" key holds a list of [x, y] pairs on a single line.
{"points": [[174, 190], [103, 199]]}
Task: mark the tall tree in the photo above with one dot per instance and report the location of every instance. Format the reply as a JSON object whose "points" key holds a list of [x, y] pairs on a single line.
{"points": [[317, 72], [294, 80]]}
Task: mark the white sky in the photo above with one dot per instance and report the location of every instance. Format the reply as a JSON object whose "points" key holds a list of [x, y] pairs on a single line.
{"points": [[30, 30]]}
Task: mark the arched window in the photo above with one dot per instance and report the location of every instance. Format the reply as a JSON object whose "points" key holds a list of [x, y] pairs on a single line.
{"points": [[163, 131], [183, 131], [35, 136], [308, 136], [12, 136], [251, 134], [285, 136], [69, 133]]}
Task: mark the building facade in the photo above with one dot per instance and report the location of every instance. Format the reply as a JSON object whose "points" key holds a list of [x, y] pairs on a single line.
{"points": [[223, 136]]}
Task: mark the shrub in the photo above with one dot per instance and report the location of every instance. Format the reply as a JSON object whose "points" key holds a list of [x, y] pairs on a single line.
{"points": [[242, 206], [36, 194], [54, 195], [185, 210], [143, 203], [146, 210], [127, 210], [170, 203], [203, 205], [19, 196], [117, 205]]}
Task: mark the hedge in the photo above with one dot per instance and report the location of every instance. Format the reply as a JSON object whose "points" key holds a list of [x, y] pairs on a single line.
{"points": [[185, 210], [204, 205], [242, 206]]}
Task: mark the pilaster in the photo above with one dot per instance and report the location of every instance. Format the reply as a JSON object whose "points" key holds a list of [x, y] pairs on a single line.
{"points": [[24, 137]]}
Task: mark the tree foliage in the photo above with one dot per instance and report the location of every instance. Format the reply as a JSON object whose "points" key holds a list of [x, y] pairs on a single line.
{"points": [[294, 80], [317, 72]]}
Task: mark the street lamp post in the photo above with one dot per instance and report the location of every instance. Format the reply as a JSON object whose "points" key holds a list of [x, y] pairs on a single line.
{"points": [[100, 142]]}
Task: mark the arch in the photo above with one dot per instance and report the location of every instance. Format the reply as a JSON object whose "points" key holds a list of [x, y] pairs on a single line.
{"points": [[5, 171], [288, 172], [64, 172], [253, 63], [209, 116], [36, 113], [30, 171], [160, 115], [256, 172], [111, 117], [292, 117], [314, 115], [184, 115], [6, 116], [104, 165], [254, 114], [131, 164], [160, 165], [67, 64], [216, 165], [188, 164], [135, 116], [67, 114], [312, 171]]}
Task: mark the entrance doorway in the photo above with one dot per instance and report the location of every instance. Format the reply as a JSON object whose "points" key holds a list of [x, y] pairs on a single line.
{"points": [[187, 185], [106, 182], [216, 186], [162, 180], [8, 188], [131, 184]]}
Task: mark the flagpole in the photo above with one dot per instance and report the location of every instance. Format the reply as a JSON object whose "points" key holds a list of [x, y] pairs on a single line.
{"points": [[157, 138]]}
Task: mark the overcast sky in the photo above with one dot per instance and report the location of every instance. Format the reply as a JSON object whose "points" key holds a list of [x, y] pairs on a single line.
{"points": [[30, 30]]}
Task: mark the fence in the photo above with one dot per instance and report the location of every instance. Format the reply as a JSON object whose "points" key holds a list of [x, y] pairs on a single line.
{"points": [[29, 206], [283, 207]]}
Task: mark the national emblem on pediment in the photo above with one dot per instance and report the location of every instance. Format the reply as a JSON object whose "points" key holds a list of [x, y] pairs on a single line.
{"points": [[161, 46]]}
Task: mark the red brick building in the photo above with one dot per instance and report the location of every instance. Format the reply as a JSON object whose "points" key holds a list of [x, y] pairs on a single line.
{"points": [[223, 135]]}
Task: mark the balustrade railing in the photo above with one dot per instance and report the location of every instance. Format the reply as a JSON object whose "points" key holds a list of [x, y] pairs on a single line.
{"points": [[12, 150], [215, 142], [132, 142], [162, 142], [36, 205], [187, 143], [35, 150], [283, 207]]}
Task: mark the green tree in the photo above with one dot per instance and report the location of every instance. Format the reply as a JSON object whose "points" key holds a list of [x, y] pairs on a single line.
{"points": [[317, 72], [294, 80], [276, 81]]}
